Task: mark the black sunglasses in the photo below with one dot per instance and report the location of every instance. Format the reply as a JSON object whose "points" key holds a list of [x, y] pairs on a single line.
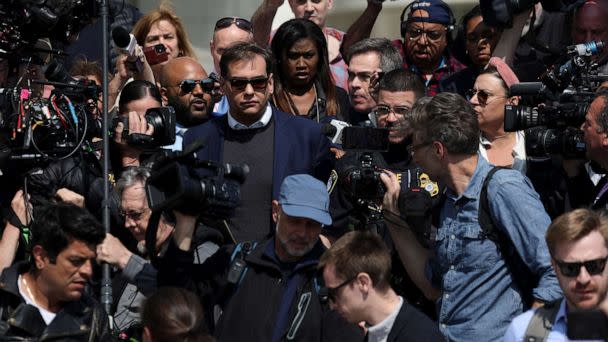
{"points": [[331, 293], [572, 269], [241, 23], [239, 84], [187, 86]]}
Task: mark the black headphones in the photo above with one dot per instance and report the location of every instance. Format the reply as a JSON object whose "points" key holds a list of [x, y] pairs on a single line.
{"points": [[451, 24]]}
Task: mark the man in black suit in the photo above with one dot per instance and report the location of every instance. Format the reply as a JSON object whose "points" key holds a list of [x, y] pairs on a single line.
{"points": [[272, 143], [356, 271]]}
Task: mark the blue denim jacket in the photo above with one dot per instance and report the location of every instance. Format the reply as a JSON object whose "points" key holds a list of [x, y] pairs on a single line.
{"points": [[479, 298]]}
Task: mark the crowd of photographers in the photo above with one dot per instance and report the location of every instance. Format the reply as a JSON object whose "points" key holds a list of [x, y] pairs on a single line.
{"points": [[317, 185]]}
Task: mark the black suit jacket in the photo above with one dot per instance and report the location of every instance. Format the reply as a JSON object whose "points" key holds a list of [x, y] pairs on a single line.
{"points": [[412, 325]]}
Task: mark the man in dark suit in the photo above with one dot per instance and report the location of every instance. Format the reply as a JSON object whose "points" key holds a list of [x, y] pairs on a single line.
{"points": [[272, 143], [356, 271]]}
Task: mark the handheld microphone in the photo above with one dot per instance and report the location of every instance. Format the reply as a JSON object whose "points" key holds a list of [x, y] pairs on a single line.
{"points": [[333, 130], [127, 44]]}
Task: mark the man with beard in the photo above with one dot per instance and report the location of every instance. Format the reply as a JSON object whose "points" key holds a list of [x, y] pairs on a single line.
{"points": [[275, 280], [590, 24], [578, 243], [186, 87]]}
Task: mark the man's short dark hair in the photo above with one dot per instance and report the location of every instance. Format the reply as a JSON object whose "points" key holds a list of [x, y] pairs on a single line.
{"points": [[244, 51], [390, 58], [399, 80], [56, 225], [357, 252], [448, 118]]}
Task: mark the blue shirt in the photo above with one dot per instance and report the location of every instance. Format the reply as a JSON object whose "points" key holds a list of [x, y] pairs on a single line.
{"points": [[479, 297], [518, 327]]}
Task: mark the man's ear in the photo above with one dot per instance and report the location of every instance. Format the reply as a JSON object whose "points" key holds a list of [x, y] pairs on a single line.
{"points": [[270, 84], [276, 210], [41, 257], [364, 281], [330, 4], [514, 100], [164, 96]]}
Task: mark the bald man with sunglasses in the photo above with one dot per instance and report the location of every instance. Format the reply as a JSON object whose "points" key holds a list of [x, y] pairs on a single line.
{"points": [[186, 87]]}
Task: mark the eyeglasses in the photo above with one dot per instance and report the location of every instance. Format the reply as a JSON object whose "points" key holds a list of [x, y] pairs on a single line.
{"points": [[416, 33], [239, 84], [332, 292], [411, 148], [132, 214], [383, 110], [187, 86], [241, 23], [572, 269], [482, 96]]}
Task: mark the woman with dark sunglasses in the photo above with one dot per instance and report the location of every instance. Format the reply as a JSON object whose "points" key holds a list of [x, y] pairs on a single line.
{"points": [[302, 78], [489, 96]]}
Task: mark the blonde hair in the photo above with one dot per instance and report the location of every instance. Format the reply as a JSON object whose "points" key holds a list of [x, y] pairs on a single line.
{"points": [[575, 225], [164, 12]]}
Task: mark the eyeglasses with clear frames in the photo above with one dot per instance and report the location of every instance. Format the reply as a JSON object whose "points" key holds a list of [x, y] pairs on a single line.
{"points": [[382, 111]]}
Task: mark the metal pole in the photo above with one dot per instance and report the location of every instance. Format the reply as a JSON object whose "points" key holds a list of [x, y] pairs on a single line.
{"points": [[106, 281]]}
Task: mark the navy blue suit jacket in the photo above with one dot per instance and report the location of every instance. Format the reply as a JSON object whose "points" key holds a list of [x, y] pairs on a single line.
{"points": [[299, 146]]}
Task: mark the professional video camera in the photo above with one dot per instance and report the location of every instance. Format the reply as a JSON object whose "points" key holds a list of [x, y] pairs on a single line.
{"points": [[36, 128], [212, 191], [25, 21], [499, 13], [557, 104]]}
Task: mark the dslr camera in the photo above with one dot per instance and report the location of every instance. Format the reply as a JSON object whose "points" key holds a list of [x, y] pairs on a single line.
{"points": [[162, 119]]}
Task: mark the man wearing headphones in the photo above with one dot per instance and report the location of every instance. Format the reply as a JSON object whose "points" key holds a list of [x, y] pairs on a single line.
{"points": [[426, 27]]}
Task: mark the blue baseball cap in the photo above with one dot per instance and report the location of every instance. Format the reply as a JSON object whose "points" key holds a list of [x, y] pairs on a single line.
{"points": [[437, 10], [305, 196]]}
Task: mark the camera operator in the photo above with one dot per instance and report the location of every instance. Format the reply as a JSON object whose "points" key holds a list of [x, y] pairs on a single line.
{"points": [[45, 298], [275, 279], [483, 250], [581, 189], [578, 243]]}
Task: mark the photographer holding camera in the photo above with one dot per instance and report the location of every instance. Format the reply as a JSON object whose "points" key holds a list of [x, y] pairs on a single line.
{"points": [[484, 251], [275, 279]]}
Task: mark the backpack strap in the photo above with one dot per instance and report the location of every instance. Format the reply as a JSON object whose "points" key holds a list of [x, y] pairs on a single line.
{"points": [[490, 231], [542, 321]]}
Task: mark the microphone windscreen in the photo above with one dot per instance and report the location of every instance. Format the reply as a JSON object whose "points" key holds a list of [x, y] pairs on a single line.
{"points": [[121, 37], [329, 130]]}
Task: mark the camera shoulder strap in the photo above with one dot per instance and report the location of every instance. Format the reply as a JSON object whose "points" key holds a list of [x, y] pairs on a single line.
{"points": [[541, 322]]}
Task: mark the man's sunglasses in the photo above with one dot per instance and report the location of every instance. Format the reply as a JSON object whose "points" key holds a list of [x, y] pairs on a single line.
{"points": [[331, 293], [239, 84], [416, 33], [187, 86], [241, 23], [572, 269]]}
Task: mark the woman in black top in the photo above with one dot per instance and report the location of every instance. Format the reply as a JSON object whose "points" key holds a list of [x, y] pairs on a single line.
{"points": [[302, 78]]}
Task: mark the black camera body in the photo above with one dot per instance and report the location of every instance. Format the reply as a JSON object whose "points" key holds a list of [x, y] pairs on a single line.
{"points": [[556, 107], [162, 119], [212, 191], [359, 174], [499, 13]]}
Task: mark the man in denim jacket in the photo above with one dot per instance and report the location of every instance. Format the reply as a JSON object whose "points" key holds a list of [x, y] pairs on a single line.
{"points": [[464, 271]]}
